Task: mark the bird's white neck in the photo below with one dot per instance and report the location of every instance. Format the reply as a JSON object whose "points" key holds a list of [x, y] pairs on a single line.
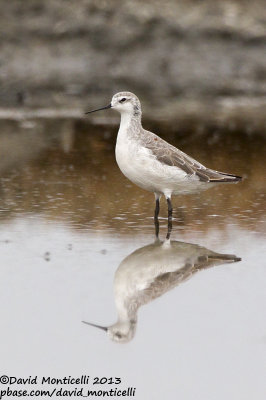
{"points": [[125, 121], [129, 120]]}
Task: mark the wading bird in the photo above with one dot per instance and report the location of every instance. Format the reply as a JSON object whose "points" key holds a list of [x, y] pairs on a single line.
{"points": [[152, 163]]}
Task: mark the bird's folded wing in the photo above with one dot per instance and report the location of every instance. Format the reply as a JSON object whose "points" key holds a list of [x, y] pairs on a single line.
{"points": [[170, 155]]}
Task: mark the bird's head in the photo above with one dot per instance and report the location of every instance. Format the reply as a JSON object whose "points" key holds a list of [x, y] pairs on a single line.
{"points": [[125, 103]]}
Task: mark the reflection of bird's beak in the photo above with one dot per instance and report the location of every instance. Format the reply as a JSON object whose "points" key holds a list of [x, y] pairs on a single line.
{"points": [[99, 109], [104, 328]]}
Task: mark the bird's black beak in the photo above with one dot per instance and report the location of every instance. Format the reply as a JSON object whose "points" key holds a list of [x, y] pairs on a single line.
{"points": [[99, 109], [104, 328]]}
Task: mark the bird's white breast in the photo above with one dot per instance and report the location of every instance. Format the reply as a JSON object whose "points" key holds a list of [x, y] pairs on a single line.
{"points": [[132, 158], [141, 166]]}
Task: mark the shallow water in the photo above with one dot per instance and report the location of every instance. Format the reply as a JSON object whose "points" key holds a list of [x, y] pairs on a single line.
{"points": [[68, 218]]}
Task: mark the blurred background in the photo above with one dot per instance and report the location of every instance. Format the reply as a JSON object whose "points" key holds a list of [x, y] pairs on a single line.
{"points": [[68, 216], [205, 59]]}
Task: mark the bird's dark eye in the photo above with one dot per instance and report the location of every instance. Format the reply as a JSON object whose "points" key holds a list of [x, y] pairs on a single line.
{"points": [[122, 100]]}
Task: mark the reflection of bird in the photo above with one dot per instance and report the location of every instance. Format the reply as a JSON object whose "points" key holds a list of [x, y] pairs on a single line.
{"points": [[152, 163], [151, 271]]}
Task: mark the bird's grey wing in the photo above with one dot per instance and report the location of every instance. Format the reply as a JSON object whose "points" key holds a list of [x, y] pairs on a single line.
{"points": [[170, 155]]}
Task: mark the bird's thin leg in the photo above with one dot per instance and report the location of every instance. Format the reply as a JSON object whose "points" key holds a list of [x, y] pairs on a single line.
{"points": [[170, 214], [170, 208], [156, 214], [157, 208]]}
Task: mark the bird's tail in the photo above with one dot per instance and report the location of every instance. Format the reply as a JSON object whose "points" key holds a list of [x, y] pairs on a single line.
{"points": [[229, 177], [210, 175]]}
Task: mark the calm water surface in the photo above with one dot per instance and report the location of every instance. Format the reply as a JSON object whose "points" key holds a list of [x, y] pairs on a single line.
{"points": [[77, 243]]}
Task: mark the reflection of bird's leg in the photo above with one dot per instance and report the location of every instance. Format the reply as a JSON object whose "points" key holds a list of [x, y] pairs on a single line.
{"points": [[170, 213], [157, 226], [169, 230], [156, 214]]}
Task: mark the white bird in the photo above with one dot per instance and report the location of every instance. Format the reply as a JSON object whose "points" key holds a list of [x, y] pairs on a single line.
{"points": [[152, 163], [151, 271]]}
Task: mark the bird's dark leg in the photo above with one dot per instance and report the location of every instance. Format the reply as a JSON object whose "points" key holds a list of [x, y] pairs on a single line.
{"points": [[157, 208], [156, 214], [170, 214], [170, 208]]}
